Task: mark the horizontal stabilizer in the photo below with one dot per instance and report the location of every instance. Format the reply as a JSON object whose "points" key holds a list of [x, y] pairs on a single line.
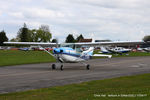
{"points": [[102, 55]]}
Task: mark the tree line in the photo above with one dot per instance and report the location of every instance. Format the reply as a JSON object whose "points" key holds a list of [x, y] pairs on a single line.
{"points": [[42, 34]]}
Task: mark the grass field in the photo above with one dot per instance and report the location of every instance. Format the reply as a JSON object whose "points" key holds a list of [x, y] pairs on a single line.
{"points": [[134, 87], [10, 57]]}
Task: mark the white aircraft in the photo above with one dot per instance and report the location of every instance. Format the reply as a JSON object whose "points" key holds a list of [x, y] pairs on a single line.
{"points": [[144, 49], [119, 50], [116, 50], [72, 53], [104, 50]]}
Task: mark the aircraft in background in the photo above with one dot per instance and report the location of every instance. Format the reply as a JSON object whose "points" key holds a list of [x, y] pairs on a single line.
{"points": [[116, 50], [119, 50], [72, 52], [104, 50], [144, 49]]}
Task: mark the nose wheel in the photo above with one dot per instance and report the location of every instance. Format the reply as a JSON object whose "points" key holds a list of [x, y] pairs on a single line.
{"points": [[61, 67], [53, 66]]}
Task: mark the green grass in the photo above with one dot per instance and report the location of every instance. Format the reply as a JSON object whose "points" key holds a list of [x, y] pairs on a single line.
{"points": [[139, 84], [132, 54], [13, 57]]}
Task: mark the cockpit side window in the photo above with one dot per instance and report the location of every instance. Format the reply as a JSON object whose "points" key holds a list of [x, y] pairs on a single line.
{"points": [[78, 48], [68, 45]]}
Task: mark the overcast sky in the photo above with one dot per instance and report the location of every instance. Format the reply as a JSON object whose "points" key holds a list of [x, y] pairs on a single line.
{"points": [[105, 19]]}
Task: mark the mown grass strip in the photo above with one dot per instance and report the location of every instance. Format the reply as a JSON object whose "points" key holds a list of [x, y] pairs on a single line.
{"points": [[13, 57], [130, 85]]}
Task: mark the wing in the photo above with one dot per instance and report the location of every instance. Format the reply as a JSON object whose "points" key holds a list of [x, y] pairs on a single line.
{"points": [[32, 43], [115, 43]]}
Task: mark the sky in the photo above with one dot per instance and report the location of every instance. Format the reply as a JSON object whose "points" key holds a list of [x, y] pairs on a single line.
{"points": [[99, 19]]}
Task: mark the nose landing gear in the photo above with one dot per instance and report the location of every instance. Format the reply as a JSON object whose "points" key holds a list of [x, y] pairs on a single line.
{"points": [[54, 67], [61, 66]]}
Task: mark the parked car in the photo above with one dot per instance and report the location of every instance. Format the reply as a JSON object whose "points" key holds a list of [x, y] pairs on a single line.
{"points": [[24, 49], [1, 48]]}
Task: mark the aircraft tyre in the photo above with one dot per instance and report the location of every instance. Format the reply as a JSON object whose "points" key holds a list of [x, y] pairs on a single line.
{"points": [[61, 67], [88, 67], [53, 66]]}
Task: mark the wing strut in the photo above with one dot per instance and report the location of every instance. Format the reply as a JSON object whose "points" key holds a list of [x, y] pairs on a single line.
{"points": [[48, 52]]}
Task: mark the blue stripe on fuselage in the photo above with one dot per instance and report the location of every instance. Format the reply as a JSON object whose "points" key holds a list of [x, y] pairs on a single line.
{"points": [[75, 55], [64, 49]]}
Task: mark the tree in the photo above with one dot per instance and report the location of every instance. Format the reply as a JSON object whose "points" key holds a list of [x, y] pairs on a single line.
{"points": [[14, 40], [42, 34], [54, 41], [45, 28], [35, 35], [79, 38], [3, 37], [70, 39], [146, 38], [23, 34], [32, 35]]}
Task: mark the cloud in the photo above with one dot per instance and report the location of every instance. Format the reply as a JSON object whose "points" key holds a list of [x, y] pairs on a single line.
{"points": [[42, 13], [106, 19], [16, 14]]}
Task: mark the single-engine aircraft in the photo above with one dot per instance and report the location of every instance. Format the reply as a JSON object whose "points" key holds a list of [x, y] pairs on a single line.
{"points": [[72, 52], [114, 50], [147, 49]]}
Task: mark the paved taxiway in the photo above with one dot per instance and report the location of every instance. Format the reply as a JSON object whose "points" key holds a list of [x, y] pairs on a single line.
{"points": [[33, 76]]}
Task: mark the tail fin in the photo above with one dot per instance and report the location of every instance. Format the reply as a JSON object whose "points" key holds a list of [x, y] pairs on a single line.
{"points": [[104, 50], [88, 52]]}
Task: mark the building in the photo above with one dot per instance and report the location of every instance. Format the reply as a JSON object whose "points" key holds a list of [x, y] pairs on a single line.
{"points": [[85, 40]]}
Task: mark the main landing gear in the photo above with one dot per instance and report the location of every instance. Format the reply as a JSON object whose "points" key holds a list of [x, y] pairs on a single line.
{"points": [[87, 66], [54, 67], [61, 66]]}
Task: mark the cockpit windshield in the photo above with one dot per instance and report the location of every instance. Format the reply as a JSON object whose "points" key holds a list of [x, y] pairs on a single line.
{"points": [[73, 46]]}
